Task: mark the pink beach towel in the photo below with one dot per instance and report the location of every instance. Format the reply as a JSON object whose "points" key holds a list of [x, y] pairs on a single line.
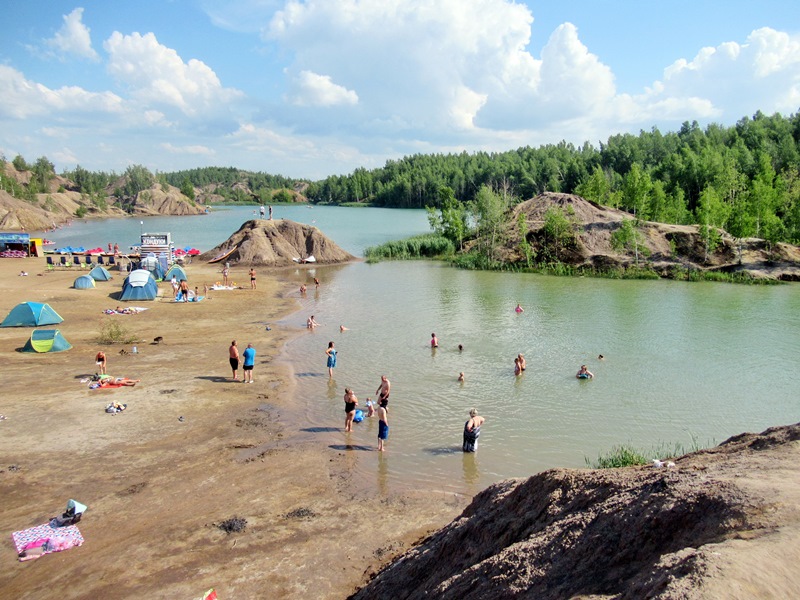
{"points": [[40, 532]]}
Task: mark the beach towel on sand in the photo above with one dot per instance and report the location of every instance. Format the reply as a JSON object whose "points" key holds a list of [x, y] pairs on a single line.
{"points": [[46, 531]]}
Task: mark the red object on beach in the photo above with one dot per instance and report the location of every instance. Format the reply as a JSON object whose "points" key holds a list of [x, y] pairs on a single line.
{"points": [[180, 252], [193, 252]]}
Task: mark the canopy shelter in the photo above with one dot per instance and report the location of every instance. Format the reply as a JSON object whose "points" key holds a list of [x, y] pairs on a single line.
{"points": [[153, 265], [84, 282], [139, 285], [31, 314], [99, 273], [46, 340]]}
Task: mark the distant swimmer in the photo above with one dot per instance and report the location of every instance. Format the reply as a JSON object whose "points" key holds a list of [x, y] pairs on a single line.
{"points": [[461, 377], [434, 341], [519, 309], [311, 323], [517, 366], [584, 373], [343, 328], [601, 357], [460, 348], [522, 363], [472, 431]]}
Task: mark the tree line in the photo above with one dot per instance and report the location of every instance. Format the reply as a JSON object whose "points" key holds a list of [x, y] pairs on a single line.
{"points": [[744, 178]]}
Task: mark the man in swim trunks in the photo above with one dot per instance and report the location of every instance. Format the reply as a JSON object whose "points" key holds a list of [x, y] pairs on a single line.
{"points": [[249, 356], [383, 390], [383, 424], [252, 278], [233, 352]]}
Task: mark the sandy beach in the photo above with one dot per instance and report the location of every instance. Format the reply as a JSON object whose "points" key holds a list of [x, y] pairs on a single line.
{"points": [[157, 486]]}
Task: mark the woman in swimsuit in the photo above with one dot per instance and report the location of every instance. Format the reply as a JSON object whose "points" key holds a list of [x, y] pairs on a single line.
{"points": [[584, 373], [350, 403], [472, 431], [331, 353]]}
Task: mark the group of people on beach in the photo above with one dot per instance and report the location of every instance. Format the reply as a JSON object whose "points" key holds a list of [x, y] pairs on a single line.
{"points": [[351, 402]]}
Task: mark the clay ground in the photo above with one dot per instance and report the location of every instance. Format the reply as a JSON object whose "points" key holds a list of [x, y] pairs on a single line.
{"points": [[157, 486]]}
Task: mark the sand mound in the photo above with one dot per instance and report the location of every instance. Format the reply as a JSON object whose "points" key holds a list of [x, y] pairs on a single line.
{"points": [[639, 532], [277, 243]]}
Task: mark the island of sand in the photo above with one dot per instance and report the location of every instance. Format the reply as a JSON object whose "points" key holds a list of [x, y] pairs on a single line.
{"points": [[280, 243]]}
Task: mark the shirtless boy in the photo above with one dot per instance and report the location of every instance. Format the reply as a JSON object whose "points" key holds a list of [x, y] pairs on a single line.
{"points": [[383, 390]]}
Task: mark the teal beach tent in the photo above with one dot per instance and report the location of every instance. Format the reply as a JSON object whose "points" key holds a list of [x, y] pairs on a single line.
{"points": [[31, 314]]}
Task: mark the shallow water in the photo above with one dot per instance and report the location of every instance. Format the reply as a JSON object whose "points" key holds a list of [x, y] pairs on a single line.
{"points": [[685, 362]]}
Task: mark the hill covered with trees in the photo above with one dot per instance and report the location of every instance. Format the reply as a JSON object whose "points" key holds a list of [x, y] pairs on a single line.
{"points": [[744, 178]]}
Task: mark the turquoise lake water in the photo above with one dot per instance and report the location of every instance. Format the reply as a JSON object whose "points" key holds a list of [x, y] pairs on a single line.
{"points": [[684, 362]]}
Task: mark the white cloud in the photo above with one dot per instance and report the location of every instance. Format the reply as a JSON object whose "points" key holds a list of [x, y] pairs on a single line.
{"points": [[191, 149], [156, 75], [73, 38], [730, 80], [23, 98], [310, 89]]}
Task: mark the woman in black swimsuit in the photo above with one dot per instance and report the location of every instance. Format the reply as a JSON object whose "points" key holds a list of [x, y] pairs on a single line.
{"points": [[350, 403]]}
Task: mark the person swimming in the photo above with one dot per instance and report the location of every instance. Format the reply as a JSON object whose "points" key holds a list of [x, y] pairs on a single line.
{"points": [[584, 373], [519, 309]]}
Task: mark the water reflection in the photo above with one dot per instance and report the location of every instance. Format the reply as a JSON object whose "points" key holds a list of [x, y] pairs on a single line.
{"points": [[469, 465], [383, 474]]}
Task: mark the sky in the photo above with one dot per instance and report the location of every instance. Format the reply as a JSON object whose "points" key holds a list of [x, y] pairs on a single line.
{"points": [[312, 88]]}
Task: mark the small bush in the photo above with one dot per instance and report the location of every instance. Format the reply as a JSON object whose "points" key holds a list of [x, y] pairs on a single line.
{"points": [[114, 332], [233, 525]]}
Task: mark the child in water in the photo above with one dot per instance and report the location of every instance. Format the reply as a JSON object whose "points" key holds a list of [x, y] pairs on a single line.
{"points": [[370, 407]]}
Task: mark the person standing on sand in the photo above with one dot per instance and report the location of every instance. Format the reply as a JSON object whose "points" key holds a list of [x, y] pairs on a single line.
{"points": [[331, 353], [175, 286], [383, 390], [100, 360], [225, 272], [472, 431], [350, 403], [185, 290], [233, 352], [252, 278], [383, 425], [249, 356], [270, 212]]}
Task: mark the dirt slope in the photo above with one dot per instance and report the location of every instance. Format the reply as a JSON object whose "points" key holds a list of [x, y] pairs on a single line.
{"points": [[721, 523]]}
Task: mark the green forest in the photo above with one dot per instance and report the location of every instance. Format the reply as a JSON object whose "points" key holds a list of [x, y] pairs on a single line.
{"points": [[744, 178]]}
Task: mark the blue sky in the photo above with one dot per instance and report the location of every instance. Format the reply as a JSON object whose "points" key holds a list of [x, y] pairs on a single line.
{"points": [[320, 87]]}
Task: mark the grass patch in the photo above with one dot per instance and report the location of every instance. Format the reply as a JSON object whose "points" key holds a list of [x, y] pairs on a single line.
{"points": [[429, 245], [626, 455], [114, 332]]}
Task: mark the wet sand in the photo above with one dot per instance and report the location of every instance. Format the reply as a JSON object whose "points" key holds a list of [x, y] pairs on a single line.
{"points": [[156, 486]]}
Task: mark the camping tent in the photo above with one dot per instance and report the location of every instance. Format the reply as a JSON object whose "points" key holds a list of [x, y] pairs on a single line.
{"points": [[176, 270], [99, 273], [31, 314], [84, 282], [139, 285], [46, 340]]}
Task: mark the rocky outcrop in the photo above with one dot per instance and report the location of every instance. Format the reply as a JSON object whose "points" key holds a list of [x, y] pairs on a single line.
{"points": [[277, 243], [660, 246], [636, 532]]}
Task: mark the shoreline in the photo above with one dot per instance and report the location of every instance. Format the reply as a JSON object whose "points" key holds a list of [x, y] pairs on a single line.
{"points": [[157, 485]]}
